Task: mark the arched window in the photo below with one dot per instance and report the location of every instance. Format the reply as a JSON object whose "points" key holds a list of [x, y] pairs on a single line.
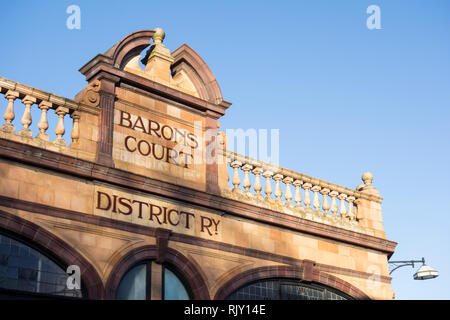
{"points": [[25, 272], [133, 285], [174, 289], [285, 289], [137, 284]]}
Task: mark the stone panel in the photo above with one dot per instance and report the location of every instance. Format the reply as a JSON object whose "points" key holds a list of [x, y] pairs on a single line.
{"points": [[165, 141]]}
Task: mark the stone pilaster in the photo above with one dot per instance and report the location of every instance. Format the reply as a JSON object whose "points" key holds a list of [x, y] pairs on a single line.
{"points": [[212, 164], [106, 119]]}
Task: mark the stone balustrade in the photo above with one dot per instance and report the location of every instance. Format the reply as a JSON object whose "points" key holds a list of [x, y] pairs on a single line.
{"points": [[303, 196], [34, 98], [253, 181]]}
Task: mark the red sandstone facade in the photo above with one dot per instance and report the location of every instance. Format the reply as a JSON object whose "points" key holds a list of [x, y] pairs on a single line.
{"points": [[123, 193]]}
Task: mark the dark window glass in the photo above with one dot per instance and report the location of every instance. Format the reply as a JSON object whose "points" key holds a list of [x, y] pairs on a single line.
{"points": [[136, 284], [23, 268], [133, 284], [284, 289], [173, 287]]}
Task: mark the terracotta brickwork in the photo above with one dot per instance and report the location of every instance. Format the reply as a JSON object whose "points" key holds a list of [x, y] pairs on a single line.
{"points": [[132, 185]]}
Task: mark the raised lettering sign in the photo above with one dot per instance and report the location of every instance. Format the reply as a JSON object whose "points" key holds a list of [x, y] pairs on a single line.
{"points": [[152, 212]]}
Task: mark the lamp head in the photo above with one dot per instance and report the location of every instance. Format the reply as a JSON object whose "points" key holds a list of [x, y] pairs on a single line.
{"points": [[425, 272]]}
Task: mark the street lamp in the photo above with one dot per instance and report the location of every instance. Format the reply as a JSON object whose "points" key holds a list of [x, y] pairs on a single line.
{"points": [[424, 273]]}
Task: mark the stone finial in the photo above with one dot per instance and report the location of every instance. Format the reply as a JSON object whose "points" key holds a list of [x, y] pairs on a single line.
{"points": [[158, 59], [159, 36], [367, 177]]}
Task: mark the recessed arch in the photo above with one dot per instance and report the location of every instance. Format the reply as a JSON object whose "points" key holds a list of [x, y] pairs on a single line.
{"points": [[174, 258], [288, 272], [55, 248], [129, 47]]}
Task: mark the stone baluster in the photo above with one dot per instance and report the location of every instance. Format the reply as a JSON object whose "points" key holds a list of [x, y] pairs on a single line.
{"points": [[43, 123], [307, 200], [358, 214], [268, 188], [288, 193], [9, 113], [247, 183], [298, 196], [325, 203], [316, 202], [351, 213], [334, 207], [236, 179], [28, 101], [228, 162], [342, 210], [278, 193], [60, 130], [258, 187], [75, 135]]}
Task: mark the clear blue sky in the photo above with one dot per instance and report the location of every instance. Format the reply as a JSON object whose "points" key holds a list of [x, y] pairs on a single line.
{"points": [[347, 99]]}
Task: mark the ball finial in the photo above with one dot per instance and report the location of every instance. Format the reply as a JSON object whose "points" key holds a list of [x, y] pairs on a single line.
{"points": [[159, 35], [367, 177]]}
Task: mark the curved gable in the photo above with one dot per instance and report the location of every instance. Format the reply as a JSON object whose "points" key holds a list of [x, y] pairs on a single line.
{"points": [[190, 62], [129, 47], [183, 74]]}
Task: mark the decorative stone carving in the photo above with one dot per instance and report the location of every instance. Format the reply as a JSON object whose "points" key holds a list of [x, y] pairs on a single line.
{"points": [[307, 200], [247, 183], [278, 193], [334, 207], [9, 113], [60, 130], [367, 177], [288, 193], [158, 59], [75, 135], [342, 210], [268, 189], [316, 202], [90, 95], [43, 122], [26, 118], [236, 179], [298, 196], [258, 187], [368, 188], [325, 204], [351, 215]]}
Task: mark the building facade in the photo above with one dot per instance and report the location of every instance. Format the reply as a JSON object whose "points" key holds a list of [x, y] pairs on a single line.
{"points": [[142, 199]]}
